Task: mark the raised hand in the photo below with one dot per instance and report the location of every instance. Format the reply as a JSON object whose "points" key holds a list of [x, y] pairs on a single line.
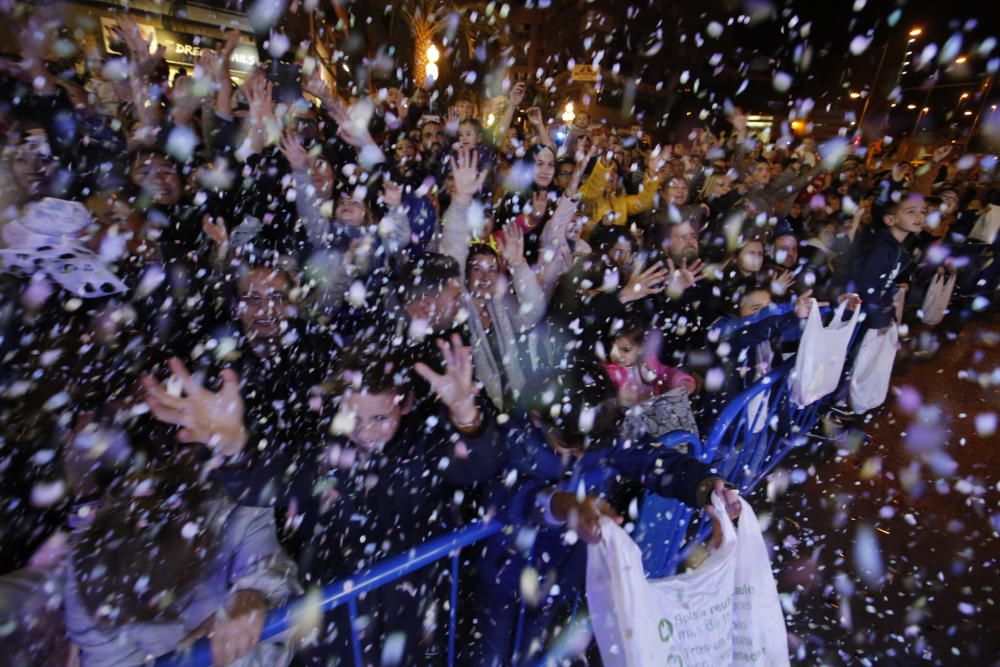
{"points": [[257, 90], [454, 387], [143, 62], [467, 177], [582, 516], [644, 283], [941, 153], [782, 283], [535, 116], [512, 246], [237, 629], [209, 64], [517, 92], [539, 202], [214, 419], [215, 230], [739, 121], [229, 46], [803, 304], [585, 156], [351, 131], [853, 300], [733, 509], [657, 160], [293, 150], [313, 84], [683, 277]]}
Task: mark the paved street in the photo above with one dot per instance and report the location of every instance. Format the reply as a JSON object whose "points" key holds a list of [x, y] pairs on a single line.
{"points": [[888, 553]]}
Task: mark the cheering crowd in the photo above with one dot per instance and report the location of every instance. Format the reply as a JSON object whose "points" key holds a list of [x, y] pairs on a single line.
{"points": [[254, 341]]}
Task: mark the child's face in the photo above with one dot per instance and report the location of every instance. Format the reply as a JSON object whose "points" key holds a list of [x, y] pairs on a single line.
{"points": [[754, 301], [464, 108], [910, 217], [321, 176], [350, 211], [625, 352], [751, 257], [405, 150], [620, 256], [376, 418], [467, 135]]}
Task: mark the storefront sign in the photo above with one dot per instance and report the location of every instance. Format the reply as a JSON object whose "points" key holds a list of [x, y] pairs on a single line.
{"points": [[181, 48], [585, 73]]}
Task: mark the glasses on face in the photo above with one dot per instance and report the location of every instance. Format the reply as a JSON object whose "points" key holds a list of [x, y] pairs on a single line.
{"points": [[253, 299]]}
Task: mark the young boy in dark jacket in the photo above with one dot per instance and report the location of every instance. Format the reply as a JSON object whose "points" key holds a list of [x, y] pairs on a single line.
{"points": [[884, 258], [393, 476]]}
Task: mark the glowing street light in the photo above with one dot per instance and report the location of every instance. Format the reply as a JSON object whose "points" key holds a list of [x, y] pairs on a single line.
{"points": [[433, 56], [568, 114]]}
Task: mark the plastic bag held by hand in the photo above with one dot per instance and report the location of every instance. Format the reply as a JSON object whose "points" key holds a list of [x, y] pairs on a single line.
{"points": [[726, 612], [873, 369], [822, 353]]}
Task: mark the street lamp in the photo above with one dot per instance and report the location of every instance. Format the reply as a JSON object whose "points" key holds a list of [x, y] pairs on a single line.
{"points": [[568, 114], [433, 55]]}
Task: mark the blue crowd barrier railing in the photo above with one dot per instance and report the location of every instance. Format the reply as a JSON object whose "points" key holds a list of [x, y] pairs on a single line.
{"points": [[751, 436], [348, 590]]}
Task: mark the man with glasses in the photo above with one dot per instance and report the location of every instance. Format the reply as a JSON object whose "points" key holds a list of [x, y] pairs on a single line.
{"points": [[262, 405]]}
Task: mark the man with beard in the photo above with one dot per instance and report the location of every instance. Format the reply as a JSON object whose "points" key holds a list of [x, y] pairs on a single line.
{"points": [[685, 312], [432, 144]]}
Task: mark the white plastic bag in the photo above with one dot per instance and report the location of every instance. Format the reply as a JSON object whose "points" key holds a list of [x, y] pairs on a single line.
{"points": [[873, 368], [937, 298], [724, 613], [822, 353], [987, 226]]}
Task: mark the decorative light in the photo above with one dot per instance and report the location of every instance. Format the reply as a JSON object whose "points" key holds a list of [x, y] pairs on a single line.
{"points": [[432, 71], [911, 107], [568, 114], [855, 95], [433, 55], [968, 113], [959, 60], [916, 32]]}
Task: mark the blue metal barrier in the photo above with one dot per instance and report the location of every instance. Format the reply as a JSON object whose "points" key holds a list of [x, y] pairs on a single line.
{"points": [[347, 592], [751, 436]]}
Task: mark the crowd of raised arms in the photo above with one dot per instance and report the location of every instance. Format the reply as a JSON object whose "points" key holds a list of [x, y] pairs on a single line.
{"points": [[254, 344]]}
